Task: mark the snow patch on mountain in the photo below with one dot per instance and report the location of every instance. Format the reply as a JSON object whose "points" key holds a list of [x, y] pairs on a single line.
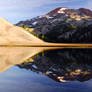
{"points": [[62, 10], [34, 23]]}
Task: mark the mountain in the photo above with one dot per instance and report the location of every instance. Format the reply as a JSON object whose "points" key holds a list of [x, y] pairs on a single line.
{"points": [[63, 25]]}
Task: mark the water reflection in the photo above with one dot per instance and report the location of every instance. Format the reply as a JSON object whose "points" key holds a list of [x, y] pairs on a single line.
{"points": [[10, 56], [62, 65], [59, 64]]}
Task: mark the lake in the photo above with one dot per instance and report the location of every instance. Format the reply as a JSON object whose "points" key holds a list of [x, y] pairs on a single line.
{"points": [[46, 69]]}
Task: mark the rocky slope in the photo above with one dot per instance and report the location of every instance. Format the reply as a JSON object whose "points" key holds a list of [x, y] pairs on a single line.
{"points": [[63, 25]]}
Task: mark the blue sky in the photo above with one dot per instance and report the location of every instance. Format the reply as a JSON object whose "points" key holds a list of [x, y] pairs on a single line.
{"points": [[17, 10]]}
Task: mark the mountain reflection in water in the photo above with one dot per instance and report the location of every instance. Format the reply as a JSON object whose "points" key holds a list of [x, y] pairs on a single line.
{"points": [[62, 65], [59, 64], [10, 56]]}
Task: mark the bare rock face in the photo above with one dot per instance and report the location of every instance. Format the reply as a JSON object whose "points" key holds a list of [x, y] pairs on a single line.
{"points": [[12, 35]]}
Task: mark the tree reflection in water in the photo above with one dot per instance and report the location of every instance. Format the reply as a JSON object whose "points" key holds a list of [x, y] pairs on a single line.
{"points": [[62, 65]]}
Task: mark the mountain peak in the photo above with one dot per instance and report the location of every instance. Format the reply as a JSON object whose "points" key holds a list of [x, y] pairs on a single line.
{"points": [[67, 11], [86, 11], [62, 9], [56, 11]]}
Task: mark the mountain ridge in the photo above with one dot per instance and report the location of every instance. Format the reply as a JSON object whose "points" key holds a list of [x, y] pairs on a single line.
{"points": [[63, 10]]}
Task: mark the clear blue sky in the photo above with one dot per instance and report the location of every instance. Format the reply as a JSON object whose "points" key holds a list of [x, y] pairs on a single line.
{"points": [[17, 10]]}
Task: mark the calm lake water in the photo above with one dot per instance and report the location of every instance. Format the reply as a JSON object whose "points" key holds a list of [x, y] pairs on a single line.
{"points": [[35, 70]]}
